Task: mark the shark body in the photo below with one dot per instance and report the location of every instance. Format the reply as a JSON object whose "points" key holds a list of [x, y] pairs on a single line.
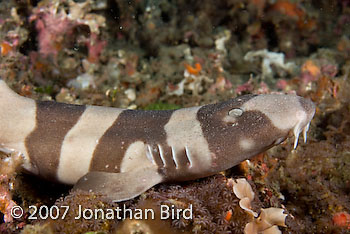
{"points": [[122, 153]]}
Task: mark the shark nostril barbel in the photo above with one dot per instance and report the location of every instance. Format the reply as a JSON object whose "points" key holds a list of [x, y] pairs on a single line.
{"points": [[305, 130]]}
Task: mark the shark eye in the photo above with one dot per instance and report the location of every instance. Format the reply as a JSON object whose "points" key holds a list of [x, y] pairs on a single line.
{"points": [[235, 112]]}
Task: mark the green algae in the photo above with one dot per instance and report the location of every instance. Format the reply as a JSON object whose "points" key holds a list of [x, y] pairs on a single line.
{"points": [[162, 106]]}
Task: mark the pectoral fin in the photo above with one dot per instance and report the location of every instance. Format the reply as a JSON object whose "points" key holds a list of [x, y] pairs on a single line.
{"points": [[120, 186]]}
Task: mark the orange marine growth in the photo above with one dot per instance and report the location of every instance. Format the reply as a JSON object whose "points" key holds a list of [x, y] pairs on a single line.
{"points": [[228, 215], [5, 48], [193, 70], [310, 67], [292, 10], [342, 219], [288, 8], [6, 204]]}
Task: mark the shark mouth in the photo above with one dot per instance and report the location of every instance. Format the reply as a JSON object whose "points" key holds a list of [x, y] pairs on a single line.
{"points": [[296, 131]]}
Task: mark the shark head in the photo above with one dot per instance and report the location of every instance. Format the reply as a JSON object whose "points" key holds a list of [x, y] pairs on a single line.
{"points": [[248, 125]]}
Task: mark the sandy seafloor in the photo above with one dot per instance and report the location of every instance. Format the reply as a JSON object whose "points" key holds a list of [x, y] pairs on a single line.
{"points": [[172, 54]]}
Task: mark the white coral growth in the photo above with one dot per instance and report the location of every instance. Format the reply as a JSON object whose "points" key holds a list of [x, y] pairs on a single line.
{"points": [[269, 59], [268, 220], [244, 192]]}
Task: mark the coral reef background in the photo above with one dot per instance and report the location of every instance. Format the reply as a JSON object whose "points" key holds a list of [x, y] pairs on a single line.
{"points": [[159, 54]]}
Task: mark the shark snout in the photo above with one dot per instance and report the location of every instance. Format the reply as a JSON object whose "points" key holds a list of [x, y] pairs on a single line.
{"points": [[287, 113]]}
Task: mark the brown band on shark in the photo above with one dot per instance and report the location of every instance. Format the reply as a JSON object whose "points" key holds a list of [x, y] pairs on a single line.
{"points": [[218, 132], [80, 142], [182, 169], [53, 121], [182, 159], [246, 127], [131, 127]]}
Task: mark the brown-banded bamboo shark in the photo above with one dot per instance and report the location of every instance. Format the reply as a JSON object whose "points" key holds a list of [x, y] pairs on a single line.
{"points": [[122, 153]]}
